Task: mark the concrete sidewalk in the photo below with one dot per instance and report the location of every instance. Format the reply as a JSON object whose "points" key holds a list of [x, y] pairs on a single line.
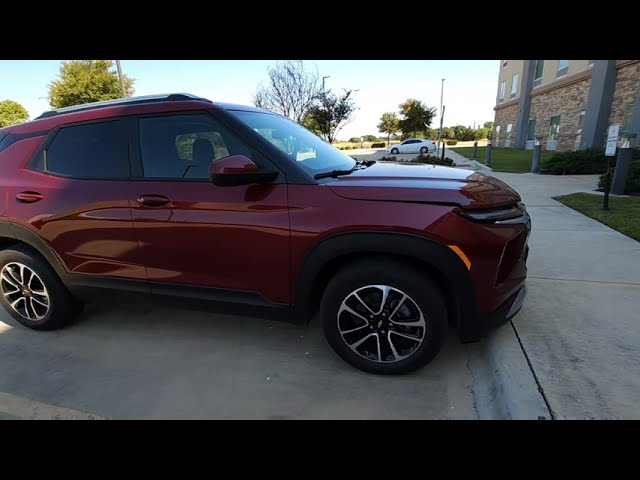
{"points": [[579, 326]]}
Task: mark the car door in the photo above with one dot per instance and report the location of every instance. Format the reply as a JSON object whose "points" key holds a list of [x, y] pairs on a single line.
{"points": [[75, 193], [232, 240], [404, 146]]}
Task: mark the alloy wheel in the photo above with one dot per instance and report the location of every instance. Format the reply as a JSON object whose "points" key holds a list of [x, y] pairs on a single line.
{"points": [[381, 323], [25, 291]]}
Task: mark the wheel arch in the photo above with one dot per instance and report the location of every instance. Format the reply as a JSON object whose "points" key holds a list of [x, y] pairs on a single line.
{"points": [[335, 252]]}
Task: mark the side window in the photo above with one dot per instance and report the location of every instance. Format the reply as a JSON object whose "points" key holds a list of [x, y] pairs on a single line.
{"points": [[90, 151], [183, 146]]}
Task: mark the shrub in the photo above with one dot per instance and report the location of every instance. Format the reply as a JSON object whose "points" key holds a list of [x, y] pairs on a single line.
{"points": [[348, 147], [432, 160], [578, 162], [378, 145], [633, 178], [388, 159], [452, 142], [341, 148]]}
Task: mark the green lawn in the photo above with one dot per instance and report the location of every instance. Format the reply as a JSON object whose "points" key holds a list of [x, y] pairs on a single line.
{"points": [[623, 216], [504, 159]]}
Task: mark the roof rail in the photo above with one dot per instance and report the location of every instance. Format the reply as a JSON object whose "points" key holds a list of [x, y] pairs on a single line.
{"points": [[170, 97]]}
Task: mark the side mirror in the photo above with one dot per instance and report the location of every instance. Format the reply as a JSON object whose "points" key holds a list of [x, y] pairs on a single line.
{"points": [[238, 170]]}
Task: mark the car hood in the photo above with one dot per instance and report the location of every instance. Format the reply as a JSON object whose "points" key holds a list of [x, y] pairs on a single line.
{"points": [[414, 182]]}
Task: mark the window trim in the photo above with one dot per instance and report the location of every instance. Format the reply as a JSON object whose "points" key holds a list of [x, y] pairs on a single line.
{"points": [[558, 70], [514, 92], [503, 92], [559, 117], [537, 81], [53, 133]]}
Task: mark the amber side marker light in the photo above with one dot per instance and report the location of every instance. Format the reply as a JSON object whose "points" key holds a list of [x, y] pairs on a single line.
{"points": [[461, 254]]}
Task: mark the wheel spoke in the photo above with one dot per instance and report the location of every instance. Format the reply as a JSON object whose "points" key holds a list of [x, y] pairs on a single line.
{"points": [[10, 279], [379, 350], [363, 303], [400, 334], [396, 356], [33, 275], [385, 293], [17, 289], [21, 273], [33, 309], [346, 308], [15, 306], [37, 300], [416, 323], [361, 341], [344, 332], [397, 306]]}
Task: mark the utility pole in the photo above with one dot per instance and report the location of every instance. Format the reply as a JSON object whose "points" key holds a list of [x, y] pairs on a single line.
{"points": [[124, 92], [441, 114]]}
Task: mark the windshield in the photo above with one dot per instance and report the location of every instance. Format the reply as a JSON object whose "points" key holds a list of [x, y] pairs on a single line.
{"points": [[311, 152]]}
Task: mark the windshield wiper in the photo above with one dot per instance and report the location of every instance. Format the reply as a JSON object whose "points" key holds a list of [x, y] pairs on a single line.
{"points": [[333, 173]]}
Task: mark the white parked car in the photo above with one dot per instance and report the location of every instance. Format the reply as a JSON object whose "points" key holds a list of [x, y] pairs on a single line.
{"points": [[413, 145]]}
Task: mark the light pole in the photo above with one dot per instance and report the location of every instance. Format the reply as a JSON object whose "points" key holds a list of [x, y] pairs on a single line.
{"points": [[328, 76], [441, 95], [124, 93]]}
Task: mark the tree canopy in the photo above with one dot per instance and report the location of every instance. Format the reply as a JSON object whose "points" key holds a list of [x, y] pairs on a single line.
{"points": [[330, 113], [415, 117], [290, 90], [12, 113], [85, 81], [389, 124]]}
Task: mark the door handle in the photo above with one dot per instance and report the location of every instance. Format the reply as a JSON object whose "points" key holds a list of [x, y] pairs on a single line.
{"points": [[154, 201], [29, 197]]}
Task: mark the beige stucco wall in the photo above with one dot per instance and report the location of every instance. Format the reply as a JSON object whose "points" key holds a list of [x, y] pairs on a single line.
{"points": [[551, 68], [506, 74]]}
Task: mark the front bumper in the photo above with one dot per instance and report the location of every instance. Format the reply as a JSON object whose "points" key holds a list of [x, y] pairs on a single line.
{"points": [[488, 322]]}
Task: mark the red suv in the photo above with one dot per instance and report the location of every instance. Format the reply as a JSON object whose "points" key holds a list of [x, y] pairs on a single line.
{"points": [[178, 196]]}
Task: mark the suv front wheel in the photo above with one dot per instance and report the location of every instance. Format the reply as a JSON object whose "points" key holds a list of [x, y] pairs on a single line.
{"points": [[384, 317], [32, 293]]}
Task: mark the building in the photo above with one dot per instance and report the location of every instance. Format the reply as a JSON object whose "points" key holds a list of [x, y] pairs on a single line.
{"points": [[567, 104]]}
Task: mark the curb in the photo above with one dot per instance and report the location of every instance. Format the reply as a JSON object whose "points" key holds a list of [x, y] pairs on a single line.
{"points": [[504, 386]]}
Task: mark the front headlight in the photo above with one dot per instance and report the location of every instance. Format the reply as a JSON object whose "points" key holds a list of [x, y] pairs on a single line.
{"points": [[514, 214]]}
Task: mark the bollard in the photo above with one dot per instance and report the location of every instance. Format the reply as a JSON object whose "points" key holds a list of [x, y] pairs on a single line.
{"points": [[487, 156], [442, 150], [537, 153], [625, 155], [475, 149]]}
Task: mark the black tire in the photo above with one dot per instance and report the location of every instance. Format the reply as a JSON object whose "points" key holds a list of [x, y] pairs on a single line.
{"points": [[424, 150], [416, 284], [62, 307], [394, 151]]}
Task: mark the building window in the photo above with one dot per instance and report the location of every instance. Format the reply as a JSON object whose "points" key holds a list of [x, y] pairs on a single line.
{"points": [[627, 117], [563, 68], [503, 88], [537, 79], [514, 85], [497, 136], [504, 63], [531, 132], [509, 127], [554, 128]]}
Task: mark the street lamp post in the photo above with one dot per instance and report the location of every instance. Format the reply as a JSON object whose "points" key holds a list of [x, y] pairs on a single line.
{"points": [[441, 113], [328, 76], [124, 92]]}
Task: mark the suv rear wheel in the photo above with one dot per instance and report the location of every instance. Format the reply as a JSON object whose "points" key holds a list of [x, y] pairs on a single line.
{"points": [[384, 317], [32, 293]]}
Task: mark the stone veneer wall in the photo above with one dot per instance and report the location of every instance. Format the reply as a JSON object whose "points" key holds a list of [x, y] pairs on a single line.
{"points": [[568, 102], [627, 86], [505, 116]]}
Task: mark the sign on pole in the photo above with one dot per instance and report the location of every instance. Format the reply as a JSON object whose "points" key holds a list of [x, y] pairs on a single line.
{"points": [[612, 139]]}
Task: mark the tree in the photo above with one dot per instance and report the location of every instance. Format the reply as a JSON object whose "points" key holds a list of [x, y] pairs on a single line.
{"points": [[85, 81], [309, 123], [488, 125], [389, 124], [370, 138], [330, 113], [354, 140], [415, 118], [11, 113], [290, 90]]}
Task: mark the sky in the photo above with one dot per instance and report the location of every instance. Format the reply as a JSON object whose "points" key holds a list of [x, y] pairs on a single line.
{"points": [[469, 88]]}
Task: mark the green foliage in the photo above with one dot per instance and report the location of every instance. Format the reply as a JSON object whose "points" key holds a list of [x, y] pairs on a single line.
{"points": [[448, 132], [578, 162], [12, 113], [354, 140], [415, 116], [451, 142], [433, 160], [371, 138], [348, 147], [331, 112], [85, 81], [310, 124], [389, 124], [633, 176], [378, 145], [488, 126]]}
